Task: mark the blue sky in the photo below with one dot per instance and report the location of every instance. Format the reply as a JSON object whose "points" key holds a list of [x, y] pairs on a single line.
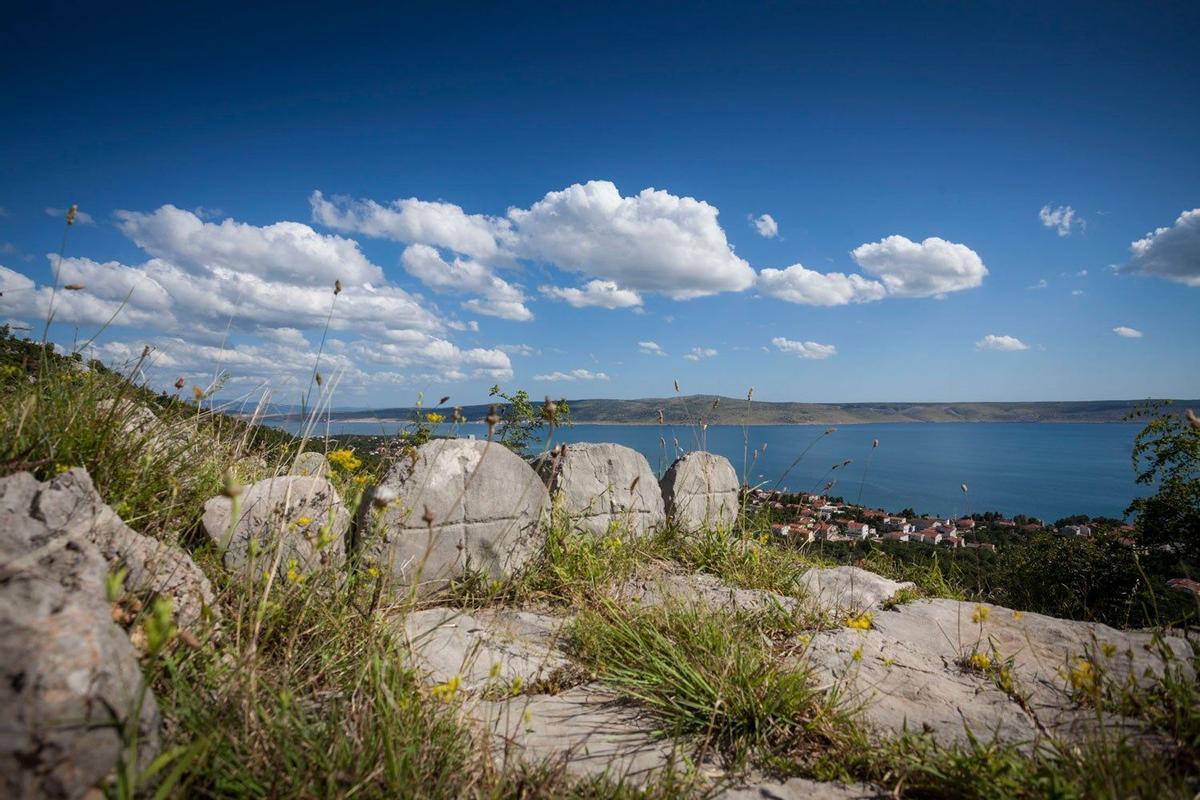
{"points": [[941, 178]]}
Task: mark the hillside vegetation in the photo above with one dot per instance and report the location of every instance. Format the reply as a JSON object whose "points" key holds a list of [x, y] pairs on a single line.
{"points": [[307, 685], [718, 410]]}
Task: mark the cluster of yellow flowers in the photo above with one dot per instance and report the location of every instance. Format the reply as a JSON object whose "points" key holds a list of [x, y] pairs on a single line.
{"points": [[981, 614], [980, 661], [434, 418], [345, 460], [446, 691], [862, 622], [1083, 676]]}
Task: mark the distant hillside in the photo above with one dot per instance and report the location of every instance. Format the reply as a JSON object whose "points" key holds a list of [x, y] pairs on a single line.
{"points": [[735, 411]]}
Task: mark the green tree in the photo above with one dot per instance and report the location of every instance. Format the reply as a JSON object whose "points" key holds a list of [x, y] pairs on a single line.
{"points": [[1167, 452], [521, 421]]}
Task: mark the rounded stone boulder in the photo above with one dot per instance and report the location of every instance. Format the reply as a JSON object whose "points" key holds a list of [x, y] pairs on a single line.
{"points": [[701, 490], [300, 513], [455, 506], [310, 463], [602, 486]]}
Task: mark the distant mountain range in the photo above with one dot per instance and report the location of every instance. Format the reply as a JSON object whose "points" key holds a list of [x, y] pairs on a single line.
{"points": [[717, 410]]}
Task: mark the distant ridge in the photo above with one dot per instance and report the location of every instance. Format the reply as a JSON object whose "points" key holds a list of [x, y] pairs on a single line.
{"points": [[735, 411]]}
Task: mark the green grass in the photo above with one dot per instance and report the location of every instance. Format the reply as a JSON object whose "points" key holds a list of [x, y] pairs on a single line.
{"points": [[710, 677]]}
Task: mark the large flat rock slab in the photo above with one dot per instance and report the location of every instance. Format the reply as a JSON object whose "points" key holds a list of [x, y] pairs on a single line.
{"points": [[456, 506], [497, 649], [603, 487], [585, 728], [909, 670], [700, 490], [700, 590], [802, 789], [848, 590]]}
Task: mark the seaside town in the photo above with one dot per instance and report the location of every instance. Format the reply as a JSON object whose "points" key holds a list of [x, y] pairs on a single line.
{"points": [[806, 517]]}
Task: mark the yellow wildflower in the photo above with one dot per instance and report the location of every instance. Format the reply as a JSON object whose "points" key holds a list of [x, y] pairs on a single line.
{"points": [[434, 418], [373, 572], [857, 654], [304, 522], [980, 661], [446, 691], [1083, 676], [1017, 616], [862, 622], [293, 572], [345, 460], [1109, 648], [59, 469], [981, 614]]}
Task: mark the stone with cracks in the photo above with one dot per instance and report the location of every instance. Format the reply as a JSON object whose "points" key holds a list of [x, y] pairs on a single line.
{"points": [[67, 507], [310, 463], [699, 590], [72, 682], [302, 515], [848, 590], [701, 490], [455, 506], [488, 648], [601, 486], [587, 729], [803, 789], [911, 670]]}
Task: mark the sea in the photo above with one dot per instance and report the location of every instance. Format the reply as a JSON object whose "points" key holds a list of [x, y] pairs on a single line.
{"points": [[1045, 470]]}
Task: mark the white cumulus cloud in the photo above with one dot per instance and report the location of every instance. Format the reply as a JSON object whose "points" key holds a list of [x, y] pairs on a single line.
{"points": [[926, 269], [499, 298], [1002, 343], [651, 349], [766, 226], [698, 353], [811, 350], [650, 242], [797, 284], [595, 293], [1172, 252], [1061, 219], [1127, 332], [573, 375]]}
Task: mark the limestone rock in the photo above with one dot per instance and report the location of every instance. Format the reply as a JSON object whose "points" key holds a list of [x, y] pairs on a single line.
{"points": [[144, 429], [587, 729], [701, 489], [604, 485], [802, 789], [487, 511], [848, 590], [71, 678], [301, 514], [67, 507], [910, 670], [700, 590], [487, 648], [310, 463]]}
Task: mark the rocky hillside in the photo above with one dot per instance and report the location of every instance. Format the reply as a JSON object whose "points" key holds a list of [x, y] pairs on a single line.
{"points": [[187, 610]]}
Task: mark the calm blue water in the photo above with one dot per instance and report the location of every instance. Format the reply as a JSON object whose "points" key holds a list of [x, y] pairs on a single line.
{"points": [[1041, 469]]}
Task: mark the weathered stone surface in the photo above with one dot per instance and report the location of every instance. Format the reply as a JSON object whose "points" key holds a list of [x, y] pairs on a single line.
{"points": [[586, 728], [145, 430], [487, 507], [802, 789], [310, 463], [848, 590], [701, 489], [303, 515], [67, 507], [489, 648], [909, 671], [601, 486], [701, 590], [71, 678]]}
